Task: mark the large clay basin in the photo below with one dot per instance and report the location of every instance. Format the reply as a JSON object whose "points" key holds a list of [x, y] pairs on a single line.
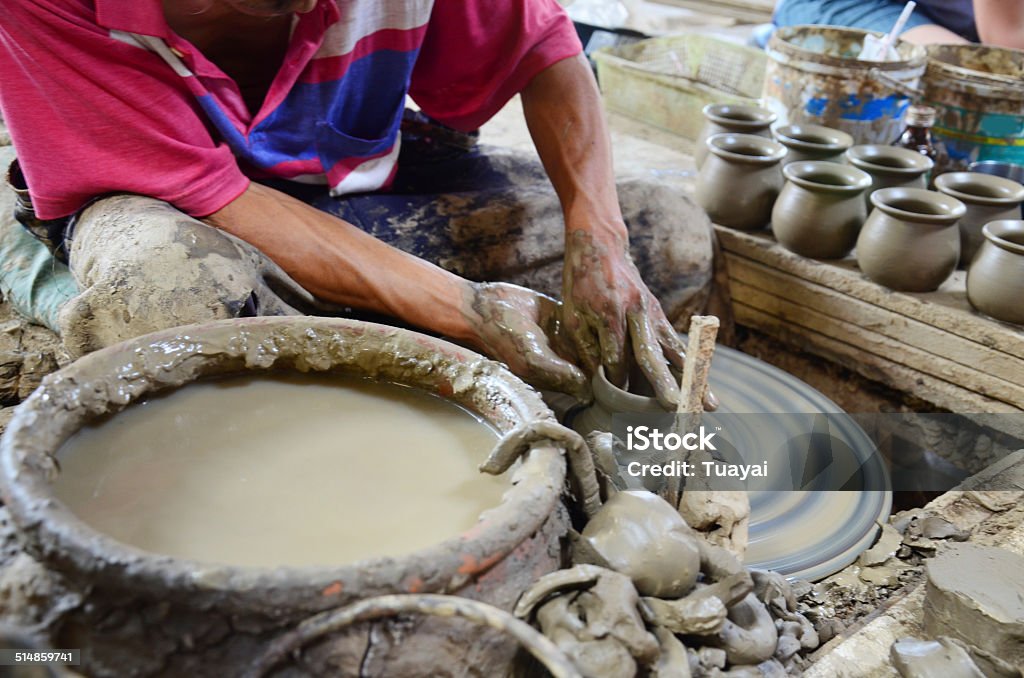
{"points": [[141, 613]]}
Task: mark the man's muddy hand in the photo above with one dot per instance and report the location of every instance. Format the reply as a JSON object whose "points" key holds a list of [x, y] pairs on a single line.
{"points": [[609, 312], [522, 328]]}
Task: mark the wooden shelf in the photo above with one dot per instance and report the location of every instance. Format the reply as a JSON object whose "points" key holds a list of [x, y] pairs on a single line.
{"points": [[933, 346]]}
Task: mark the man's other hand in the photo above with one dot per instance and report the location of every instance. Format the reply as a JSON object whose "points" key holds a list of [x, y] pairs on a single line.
{"points": [[608, 312]]}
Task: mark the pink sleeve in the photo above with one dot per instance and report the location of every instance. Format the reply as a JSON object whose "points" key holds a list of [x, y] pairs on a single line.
{"points": [[478, 54], [91, 115]]}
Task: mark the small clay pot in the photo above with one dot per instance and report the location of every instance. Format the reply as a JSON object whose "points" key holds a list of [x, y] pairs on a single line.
{"points": [[820, 210], [740, 180], [890, 167], [910, 241], [735, 118], [995, 278], [812, 142], [610, 399], [988, 198]]}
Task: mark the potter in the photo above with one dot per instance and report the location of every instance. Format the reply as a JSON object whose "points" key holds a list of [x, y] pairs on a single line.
{"points": [[282, 471]]}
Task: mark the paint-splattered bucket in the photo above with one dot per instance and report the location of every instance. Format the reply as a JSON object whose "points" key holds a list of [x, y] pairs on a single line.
{"points": [[814, 76], [978, 93]]}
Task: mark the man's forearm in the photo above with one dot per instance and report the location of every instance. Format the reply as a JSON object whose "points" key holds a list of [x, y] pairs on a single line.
{"points": [[565, 115], [338, 262]]}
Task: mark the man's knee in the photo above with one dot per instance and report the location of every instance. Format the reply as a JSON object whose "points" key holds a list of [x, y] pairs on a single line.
{"points": [[671, 241], [143, 266]]}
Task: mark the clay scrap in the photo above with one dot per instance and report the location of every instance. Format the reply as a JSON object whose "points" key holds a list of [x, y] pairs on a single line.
{"points": [[644, 576]]}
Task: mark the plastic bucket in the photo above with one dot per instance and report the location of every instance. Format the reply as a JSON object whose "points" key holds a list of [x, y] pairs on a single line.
{"points": [[814, 76], [978, 94]]}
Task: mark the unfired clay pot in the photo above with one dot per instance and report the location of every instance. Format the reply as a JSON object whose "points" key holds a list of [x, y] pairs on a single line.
{"points": [[910, 242], [736, 118], [812, 142], [890, 167], [820, 210], [740, 180], [995, 279], [987, 198]]}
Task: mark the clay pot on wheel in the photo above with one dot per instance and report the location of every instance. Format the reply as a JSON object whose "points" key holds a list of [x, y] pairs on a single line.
{"points": [[736, 118], [740, 180], [995, 278], [890, 167], [988, 198], [910, 242], [820, 210], [812, 142]]}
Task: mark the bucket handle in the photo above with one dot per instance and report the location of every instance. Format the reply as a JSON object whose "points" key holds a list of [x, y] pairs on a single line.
{"points": [[370, 609], [895, 84]]}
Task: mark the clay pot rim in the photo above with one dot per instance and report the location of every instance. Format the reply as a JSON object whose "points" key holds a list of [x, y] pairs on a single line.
{"points": [[860, 180], [839, 140], [717, 113], [861, 154], [111, 378], [950, 183], [955, 208], [619, 398], [772, 152], [995, 232]]}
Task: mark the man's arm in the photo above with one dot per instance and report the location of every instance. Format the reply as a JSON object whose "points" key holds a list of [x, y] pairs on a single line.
{"points": [[338, 262], [1000, 22], [607, 306]]}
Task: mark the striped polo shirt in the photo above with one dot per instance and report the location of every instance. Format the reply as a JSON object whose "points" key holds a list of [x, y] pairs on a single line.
{"points": [[101, 96]]}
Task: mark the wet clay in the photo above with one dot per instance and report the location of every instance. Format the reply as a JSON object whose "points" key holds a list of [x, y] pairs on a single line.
{"points": [[289, 470], [641, 536], [943, 658], [984, 608]]}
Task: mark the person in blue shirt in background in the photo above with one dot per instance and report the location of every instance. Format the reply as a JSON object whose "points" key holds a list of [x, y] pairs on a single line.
{"points": [[993, 22]]}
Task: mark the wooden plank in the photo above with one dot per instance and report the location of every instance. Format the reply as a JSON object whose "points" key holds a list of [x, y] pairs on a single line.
{"points": [[947, 308], [909, 331], [880, 345], [750, 12], [937, 391]]}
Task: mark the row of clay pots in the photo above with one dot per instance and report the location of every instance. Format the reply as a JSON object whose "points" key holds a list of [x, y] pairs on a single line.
{"points": [[988, 198], [803, 142], [910, 241]]}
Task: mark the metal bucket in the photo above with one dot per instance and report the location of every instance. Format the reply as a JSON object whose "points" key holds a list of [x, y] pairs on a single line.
{"points": [[814, 76], [978, 93], [138, 613]]}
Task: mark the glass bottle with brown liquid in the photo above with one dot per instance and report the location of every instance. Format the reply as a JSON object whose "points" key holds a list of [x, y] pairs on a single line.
{"points": [[917, 134]]}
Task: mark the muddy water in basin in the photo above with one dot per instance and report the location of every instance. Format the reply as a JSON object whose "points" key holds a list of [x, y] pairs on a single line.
{"points": [[288, 470]]}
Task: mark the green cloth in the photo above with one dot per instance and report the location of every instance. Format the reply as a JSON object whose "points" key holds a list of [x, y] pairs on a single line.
{"points": [[35, 284]]}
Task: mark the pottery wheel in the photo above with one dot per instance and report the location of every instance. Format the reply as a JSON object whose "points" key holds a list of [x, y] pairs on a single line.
{"points": [[801, 534]]}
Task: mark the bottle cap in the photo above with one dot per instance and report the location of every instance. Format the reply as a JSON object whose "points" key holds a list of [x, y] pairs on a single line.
{"points": [[920, 116]]}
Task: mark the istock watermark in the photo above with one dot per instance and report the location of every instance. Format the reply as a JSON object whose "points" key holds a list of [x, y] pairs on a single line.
{"points": [[831, 451]]}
